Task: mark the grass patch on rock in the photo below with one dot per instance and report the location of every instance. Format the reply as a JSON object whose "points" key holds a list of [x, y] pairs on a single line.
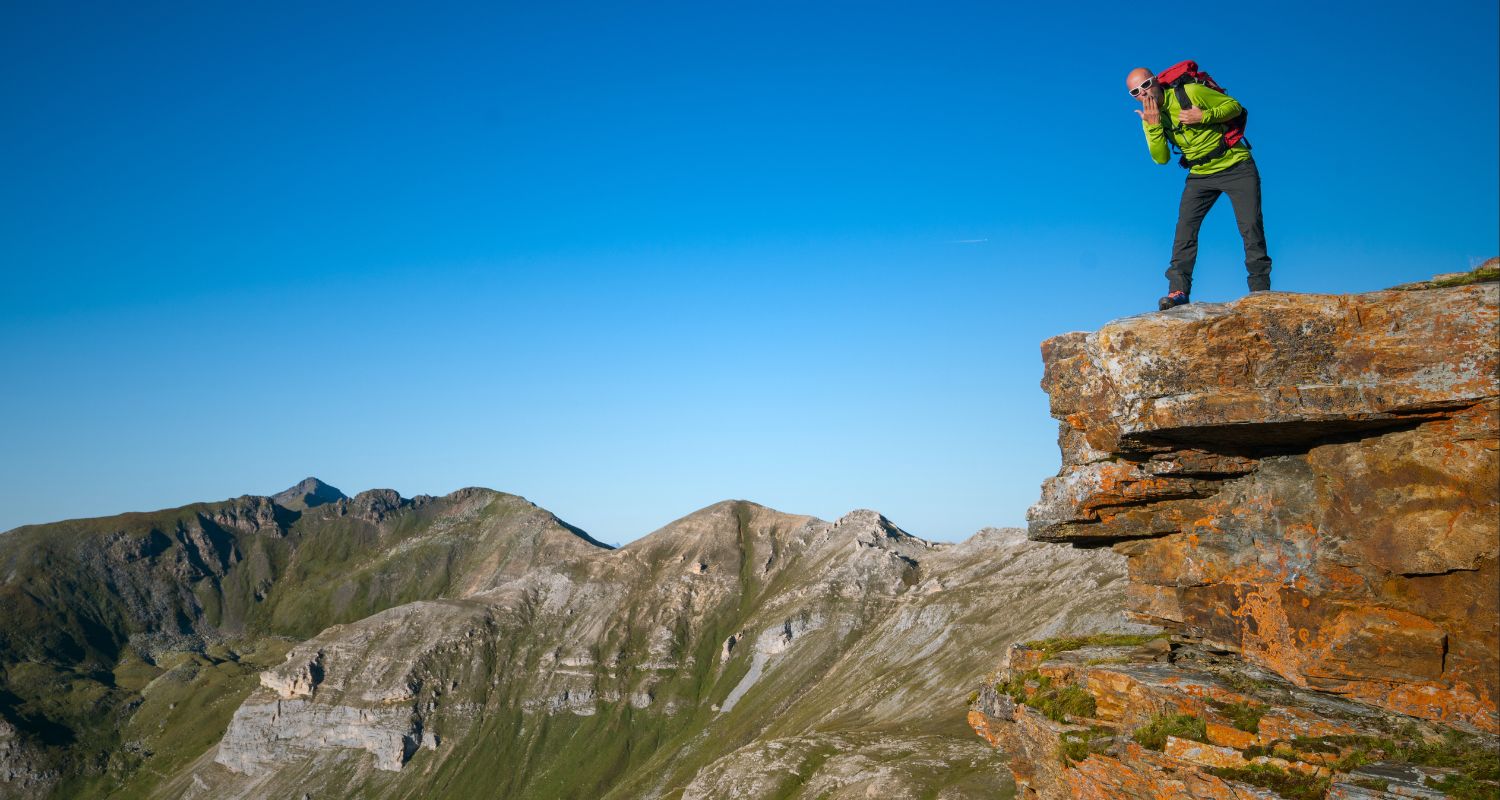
{"points": [[1153, 735], [1291, 785], [1075, 746], [1244, 716], [1464, 787], [1466, 753], [1483, 274], [1057, 703], [1475, 762]]}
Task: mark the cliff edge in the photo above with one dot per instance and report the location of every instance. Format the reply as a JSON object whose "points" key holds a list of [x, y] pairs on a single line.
{"points": [[1307, 492]]}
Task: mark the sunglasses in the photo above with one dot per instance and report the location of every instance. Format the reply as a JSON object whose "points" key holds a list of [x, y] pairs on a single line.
{"points": [[1136, 92]]}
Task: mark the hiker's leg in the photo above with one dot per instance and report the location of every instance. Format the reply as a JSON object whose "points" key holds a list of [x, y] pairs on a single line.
{"points": [[1198, 197], [1243, 189]]}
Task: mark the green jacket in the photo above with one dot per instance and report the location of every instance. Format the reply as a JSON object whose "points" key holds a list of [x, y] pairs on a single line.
{"points": [[1200, 139]]}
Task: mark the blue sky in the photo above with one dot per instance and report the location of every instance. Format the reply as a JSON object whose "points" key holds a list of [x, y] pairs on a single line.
{"points": [[629, 260]]}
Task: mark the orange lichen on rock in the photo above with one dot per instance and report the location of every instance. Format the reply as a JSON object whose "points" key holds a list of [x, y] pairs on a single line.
{"points": [[1307, 492], [1178, 728], [1207, 755], [981, 725], [1311, 481], [1230, 736]]}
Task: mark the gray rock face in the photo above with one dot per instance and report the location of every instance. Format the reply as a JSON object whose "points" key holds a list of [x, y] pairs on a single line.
{"points": [[354, 686], [772, 642], [21, 774], [266, 733]]}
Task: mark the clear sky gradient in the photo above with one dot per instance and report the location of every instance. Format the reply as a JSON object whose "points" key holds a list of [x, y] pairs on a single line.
{"points": [[631, 259]]}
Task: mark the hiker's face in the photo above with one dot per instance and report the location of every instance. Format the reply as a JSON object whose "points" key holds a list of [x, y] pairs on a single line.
{"points": [[1136, 84]]}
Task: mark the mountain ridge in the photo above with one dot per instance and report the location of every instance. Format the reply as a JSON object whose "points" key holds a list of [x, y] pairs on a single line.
{"points": [[251, 599]]}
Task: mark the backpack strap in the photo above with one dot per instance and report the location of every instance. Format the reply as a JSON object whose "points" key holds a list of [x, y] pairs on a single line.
{"points": [[1184, 103], [1167, 126], [1179, 89], [1189, 163]]}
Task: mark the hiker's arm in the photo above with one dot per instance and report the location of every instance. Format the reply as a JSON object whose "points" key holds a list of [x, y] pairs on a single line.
{"points": [[1156, 142], [1217, 107], [1156, 138]]}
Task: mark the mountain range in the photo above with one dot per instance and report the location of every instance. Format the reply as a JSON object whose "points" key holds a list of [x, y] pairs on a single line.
{"points": [[314, 644]]}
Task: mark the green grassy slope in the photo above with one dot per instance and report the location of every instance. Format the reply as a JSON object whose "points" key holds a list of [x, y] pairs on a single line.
{"points": [[116, 630]]}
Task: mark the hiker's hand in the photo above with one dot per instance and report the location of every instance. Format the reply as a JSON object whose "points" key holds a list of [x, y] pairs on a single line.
{"points": [[1150, 113], [1190, 116]]}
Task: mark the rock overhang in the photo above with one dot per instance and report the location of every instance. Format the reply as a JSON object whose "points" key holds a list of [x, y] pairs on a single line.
{"points": [[1293, 477]]}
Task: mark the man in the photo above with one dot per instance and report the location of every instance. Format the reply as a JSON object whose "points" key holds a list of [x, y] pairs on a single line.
{"points": [[1198, 131]]}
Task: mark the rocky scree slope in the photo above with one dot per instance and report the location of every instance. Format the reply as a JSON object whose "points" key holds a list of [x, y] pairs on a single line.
{"points": [[1307, 492], [475, 645]]}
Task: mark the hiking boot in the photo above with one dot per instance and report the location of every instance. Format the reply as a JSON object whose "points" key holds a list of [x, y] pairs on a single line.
{"points": [[1172, 300]]}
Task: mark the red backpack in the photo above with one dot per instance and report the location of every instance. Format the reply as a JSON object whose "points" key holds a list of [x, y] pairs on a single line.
{"points": [[1176, 78]]}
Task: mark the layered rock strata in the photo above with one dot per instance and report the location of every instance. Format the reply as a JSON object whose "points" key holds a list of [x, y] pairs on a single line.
{"points": [[1309, 480], [1307, 492]]}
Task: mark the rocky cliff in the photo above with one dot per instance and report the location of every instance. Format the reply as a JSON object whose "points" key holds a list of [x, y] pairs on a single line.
{"points": [[1307, 492]]}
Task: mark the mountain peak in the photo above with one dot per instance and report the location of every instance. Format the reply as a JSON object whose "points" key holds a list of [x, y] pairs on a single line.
{"points": [[871, 525], [309, 493]]}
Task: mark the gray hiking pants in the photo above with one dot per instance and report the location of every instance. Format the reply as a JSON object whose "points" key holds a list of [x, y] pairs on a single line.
{"points": [[1242, 183]]}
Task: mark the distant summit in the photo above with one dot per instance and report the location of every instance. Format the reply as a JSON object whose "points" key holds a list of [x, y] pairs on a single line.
{"points": [[310, 493]]}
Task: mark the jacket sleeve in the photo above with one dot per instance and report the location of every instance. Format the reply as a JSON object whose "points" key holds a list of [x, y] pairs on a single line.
{"points": [[1217, 107], [1156, 141]]}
